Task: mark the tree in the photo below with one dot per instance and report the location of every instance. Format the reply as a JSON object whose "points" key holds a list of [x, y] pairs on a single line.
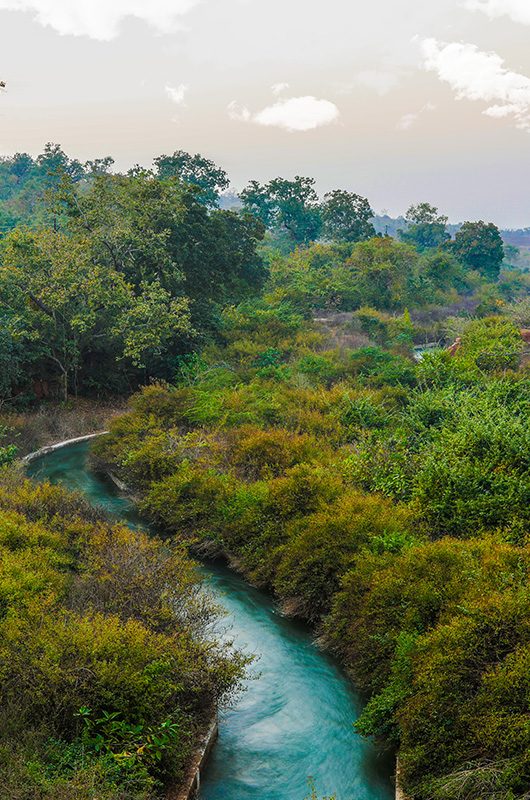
{"points": [[197, 171], [284, 205], [158, 231], [99, 166], [64, 310], [426, 228], [150, 322], [24, 183], [442, 269], [11, 359], [346, 217], [383, 272], [479, 246], [511, 253], [54, 161]]}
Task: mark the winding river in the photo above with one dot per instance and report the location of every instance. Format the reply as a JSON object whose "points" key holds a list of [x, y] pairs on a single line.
{"points": [[296, 718]]}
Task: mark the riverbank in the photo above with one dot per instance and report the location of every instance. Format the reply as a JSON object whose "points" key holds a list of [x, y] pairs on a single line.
{"points": [[192, 782], [296, 695], [150, 629], [43, 451], [51, 423], [189, 787]]}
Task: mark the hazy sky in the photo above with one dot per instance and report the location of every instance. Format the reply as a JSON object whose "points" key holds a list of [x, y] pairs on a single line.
{"points": [[399, 100]]}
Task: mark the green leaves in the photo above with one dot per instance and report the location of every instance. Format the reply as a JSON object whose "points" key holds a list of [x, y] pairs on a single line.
{"points": [[151, 322], [346, 217], [426, 228], [290, 206], [108, 666], [480, 247], [197, 171], [65, 308], [111, 735]]}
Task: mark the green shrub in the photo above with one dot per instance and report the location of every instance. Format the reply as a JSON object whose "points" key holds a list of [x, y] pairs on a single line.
{"points": [[99, 617]]}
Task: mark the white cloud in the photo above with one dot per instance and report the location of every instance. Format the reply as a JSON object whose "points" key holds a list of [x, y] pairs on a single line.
{"points": [[238, 113], [292, 114], [177, 94], [278, 88], [407, 121], [476, 75], [518, 10], [100, 19]]}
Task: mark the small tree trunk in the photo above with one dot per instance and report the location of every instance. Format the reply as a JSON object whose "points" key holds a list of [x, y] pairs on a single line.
{"points": [[64, 375]]}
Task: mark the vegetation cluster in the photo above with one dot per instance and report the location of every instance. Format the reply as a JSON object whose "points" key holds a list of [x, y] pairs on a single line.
{"points": [[109, 670], [107, 280], [383, 500], [287, 423]]}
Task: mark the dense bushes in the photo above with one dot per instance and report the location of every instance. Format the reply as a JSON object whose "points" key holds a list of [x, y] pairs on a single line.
{"points": [[107, 666], [132, 275], [381, 273], [383, 500]]}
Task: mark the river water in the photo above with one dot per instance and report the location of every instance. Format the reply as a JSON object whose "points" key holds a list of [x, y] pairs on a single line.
{"points": [[295, 720]]}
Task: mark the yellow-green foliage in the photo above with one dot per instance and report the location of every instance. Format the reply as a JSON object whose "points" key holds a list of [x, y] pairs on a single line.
{"points": [[381, 273], [337, 480], [98, 617], [322, 546], [257, 454], [34, 562], [491, 344]]}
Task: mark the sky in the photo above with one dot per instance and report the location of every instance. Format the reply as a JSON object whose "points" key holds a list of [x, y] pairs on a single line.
{"points": [[402, 101]]}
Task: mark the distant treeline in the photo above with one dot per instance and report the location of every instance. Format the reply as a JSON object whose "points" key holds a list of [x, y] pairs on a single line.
{"points": [[108, 280]]}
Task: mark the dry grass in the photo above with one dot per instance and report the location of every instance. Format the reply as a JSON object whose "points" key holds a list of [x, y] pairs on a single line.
{"points": [[54, 422], [339, 331]]}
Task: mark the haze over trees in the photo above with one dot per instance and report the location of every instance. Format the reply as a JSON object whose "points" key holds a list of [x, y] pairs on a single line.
{"points": [[426, 228]]}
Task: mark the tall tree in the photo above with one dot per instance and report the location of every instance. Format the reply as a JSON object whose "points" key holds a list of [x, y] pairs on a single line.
{"points": [[157, 230], [54, 161], [479, 246], [197, 171], [62, 308], [426, 228], [283, 205], [98, 166], [346, 217]]}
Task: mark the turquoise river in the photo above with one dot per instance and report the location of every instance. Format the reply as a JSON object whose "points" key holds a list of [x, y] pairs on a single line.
{"points": [[295, 719]]}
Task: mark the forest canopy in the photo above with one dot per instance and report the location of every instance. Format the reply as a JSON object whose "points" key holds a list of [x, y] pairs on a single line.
{"points": [[110, 280]]}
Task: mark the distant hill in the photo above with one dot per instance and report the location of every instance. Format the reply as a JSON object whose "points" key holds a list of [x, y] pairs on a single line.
{"points": [[229, 201], [390, 226], [517, 238]]}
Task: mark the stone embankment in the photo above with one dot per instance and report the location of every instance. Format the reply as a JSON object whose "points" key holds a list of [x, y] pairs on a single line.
{"points": [[43, 451]]}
